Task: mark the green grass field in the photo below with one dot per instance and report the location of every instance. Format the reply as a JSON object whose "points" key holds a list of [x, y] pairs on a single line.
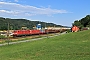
{"points": [[70, 46]]}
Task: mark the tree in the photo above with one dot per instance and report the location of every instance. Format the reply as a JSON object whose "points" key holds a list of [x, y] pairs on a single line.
{"points": [[77, 23], [84, 22]]}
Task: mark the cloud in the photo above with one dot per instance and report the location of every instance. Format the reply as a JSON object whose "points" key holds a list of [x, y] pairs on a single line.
{"points": [[26, 10], [8, 12]]}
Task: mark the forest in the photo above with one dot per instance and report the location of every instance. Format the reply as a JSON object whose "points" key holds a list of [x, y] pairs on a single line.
{"points": [[15, 24]]}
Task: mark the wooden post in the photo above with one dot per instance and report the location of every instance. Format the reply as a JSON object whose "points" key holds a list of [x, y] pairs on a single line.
{"points": [[8, 34]]}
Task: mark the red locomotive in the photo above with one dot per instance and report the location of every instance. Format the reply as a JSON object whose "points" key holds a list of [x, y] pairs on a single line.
{"points": [[26, 32]]}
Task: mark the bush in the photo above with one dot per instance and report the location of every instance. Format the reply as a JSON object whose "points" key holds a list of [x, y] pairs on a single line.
{"points": [[68, 30], [2, 37]]}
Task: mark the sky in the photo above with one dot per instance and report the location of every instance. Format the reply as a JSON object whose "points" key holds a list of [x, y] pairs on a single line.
{"points": [[61, 12]]}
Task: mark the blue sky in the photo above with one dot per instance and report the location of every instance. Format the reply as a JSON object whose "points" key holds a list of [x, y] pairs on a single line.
{"points": [[62, 12]]}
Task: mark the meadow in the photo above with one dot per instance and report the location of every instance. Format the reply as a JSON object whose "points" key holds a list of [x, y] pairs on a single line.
{"points": [[70, 46]]}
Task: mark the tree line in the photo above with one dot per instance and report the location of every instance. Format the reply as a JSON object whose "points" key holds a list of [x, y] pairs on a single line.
{"points": [[84, 22], [15, 24]]}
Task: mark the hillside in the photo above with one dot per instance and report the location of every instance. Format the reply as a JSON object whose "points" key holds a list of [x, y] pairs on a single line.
{"points": [[70, 46], [18, 23]]}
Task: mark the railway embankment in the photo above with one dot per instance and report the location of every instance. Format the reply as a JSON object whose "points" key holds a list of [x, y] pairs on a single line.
{"points": [[70, 46]]}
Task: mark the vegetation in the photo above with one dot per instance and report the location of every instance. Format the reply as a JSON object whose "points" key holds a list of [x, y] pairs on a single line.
{"points": [[2, 37], [70, 46], [84, 22], [18, 23]]}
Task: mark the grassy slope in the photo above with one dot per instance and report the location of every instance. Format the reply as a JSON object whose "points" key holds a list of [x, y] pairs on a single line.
{"points": [[71, 46]]}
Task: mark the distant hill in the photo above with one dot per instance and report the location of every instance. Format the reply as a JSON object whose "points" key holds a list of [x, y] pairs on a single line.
{"points": [[18, 23]]}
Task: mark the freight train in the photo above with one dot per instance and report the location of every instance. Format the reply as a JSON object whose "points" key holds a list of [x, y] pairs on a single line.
{"points": [[36, 32]]}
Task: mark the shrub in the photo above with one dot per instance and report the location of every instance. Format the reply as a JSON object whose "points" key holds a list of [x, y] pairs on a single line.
{"points": [[2, 37]]}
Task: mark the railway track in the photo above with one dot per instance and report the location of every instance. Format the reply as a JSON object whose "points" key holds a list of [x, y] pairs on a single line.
{"points": [[27, 37]]}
